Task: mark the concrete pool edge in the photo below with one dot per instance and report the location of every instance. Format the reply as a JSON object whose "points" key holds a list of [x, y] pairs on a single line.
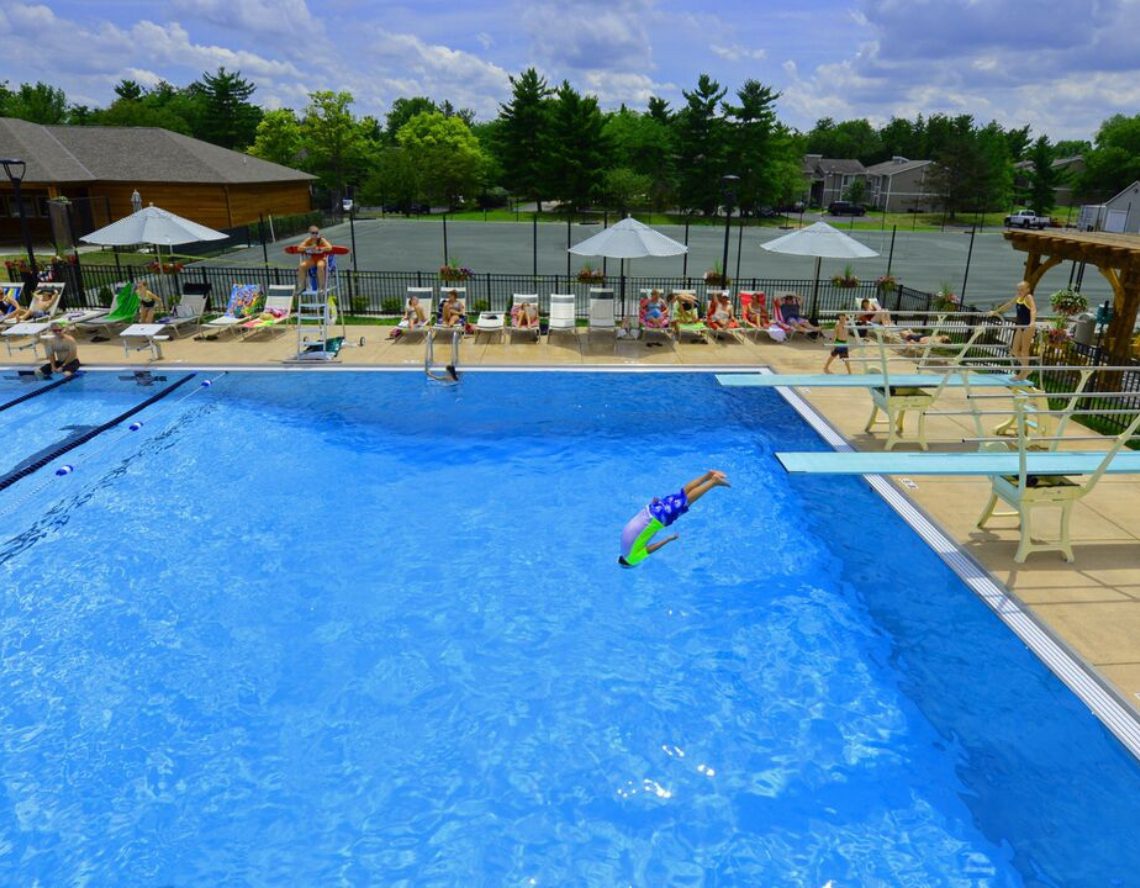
{"points": [[1105, 701]]}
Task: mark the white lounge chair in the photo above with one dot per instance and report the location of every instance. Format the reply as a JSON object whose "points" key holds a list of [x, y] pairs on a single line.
{"points": [[244, 303], [601, 316], [563, 315], [491, 323], [517, 302], [424, 296], [187, 313], [461, 296], [32, 328], [275, 313]]}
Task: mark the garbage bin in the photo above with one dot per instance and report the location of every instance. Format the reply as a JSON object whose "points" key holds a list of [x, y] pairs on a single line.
{"points": [[1084, 329]]}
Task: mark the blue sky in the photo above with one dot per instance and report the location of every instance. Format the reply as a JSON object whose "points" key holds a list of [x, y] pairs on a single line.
{"points": [[1061, 65]]}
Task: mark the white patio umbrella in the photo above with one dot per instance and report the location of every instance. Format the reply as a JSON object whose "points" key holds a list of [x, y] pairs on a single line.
{"points": [[819, 240], [628, 239], [152, 225]]}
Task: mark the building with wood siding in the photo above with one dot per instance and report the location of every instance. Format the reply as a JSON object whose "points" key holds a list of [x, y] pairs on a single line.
{"points": [[98, 168]]}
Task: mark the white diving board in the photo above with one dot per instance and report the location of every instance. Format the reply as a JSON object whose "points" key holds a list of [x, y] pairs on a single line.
{"points": [[864, 380], [964, 463]]}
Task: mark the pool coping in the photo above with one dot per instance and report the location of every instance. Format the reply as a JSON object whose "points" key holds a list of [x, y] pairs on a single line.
{"points": [[1105, 701]]}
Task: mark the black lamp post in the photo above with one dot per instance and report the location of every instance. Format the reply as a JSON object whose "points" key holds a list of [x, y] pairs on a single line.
{"points": [[14, 170], [728, 191], [349, 206]]}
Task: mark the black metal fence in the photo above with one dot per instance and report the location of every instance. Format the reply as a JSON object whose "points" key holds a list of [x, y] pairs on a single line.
{"points": [[379, 293]]}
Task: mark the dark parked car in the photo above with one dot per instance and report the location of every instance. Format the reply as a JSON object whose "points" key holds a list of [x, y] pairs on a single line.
{"points": [[845, 208]]}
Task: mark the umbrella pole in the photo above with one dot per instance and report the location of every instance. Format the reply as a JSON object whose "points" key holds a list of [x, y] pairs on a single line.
{"points": [[813, 314], [622, 289]]}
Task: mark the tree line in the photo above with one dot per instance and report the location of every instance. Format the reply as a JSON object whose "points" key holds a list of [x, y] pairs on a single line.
{"points": [[549, 142]]}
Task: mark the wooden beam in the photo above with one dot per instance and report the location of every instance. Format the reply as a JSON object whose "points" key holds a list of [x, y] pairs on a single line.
{"points": [[1035, 269]]}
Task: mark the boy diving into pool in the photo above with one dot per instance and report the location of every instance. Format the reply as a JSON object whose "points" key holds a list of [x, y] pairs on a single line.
{"points": [[659, 514]]}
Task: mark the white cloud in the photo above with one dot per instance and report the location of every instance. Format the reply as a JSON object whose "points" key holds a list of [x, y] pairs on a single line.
{"points": [[736, 53]]}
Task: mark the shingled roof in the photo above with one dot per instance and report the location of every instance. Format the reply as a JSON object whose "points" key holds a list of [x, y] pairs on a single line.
{"points": [[63, 154]]}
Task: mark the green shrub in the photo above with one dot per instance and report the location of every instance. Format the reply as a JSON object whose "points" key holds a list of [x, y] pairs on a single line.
{"points": [[480, 305], [105, 296], [359, 304], [392, 305]]}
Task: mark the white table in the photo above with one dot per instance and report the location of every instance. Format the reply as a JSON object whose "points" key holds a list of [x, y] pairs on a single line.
{"points": [[149, 334], [33, 329]]}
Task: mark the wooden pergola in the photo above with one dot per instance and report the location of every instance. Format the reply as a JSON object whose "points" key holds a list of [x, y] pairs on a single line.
{"points": [[1116, 256]]}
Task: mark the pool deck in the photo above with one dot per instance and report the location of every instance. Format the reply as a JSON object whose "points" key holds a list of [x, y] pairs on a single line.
{"points": [[1092, 606]]}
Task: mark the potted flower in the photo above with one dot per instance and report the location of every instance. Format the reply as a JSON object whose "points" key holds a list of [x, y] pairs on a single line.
{"points": [[1068, 302], [887, 284], [845, 279], [945, 299], [715, 277], [452, 272], [587, 274], [1058, 333]]}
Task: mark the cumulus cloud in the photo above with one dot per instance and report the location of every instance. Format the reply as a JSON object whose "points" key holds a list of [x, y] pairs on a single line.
{"points": [[272, 17], [590, 35]]}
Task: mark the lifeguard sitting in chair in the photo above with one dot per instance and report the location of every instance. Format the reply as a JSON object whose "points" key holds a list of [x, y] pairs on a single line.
{"points": [[315, 252]]}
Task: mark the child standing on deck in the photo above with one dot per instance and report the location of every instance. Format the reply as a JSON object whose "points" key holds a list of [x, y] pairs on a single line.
{"points": [[840, 349]]}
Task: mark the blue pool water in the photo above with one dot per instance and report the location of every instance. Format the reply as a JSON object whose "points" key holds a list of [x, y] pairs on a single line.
{"points": [[354, 629]]}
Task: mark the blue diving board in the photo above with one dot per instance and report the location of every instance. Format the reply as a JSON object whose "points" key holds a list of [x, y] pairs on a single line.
{"points": [[962, 463], [864, 380]]}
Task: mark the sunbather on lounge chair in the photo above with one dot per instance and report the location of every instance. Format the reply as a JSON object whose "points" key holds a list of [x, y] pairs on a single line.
{"points": [[524, 316], [9, 299], [721, 315], [659, 514], [414, 317], [451, 313], [684, 310], [39, 306], [913, 336], [654, 312], [869, 313], [790, 314]]}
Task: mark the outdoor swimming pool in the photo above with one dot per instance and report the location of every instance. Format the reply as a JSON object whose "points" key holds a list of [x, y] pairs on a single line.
{"points": [[352, 628]]}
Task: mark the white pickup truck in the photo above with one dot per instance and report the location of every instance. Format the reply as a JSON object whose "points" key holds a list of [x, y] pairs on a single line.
{"points": [[1026, 219]]}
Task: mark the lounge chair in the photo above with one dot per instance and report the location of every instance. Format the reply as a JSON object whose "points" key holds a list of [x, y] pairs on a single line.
{"points": [[424, 296], [683, 327], [9, 300], [188, 312], [1026, 492], [601, 316], [518, 302], [124, 311], [653, 326], [563, 315], [461, 296], [491, 323], [276, 312], [774, 331], [244, 303], [717, 329], [46, 313]]}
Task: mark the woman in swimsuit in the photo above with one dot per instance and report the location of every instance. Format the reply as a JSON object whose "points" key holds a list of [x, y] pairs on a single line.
{"points": [[1024, 326], [148, 302]]}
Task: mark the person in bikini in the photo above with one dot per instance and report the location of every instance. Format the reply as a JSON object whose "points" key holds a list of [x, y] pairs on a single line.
{"points": [[660, 513]]}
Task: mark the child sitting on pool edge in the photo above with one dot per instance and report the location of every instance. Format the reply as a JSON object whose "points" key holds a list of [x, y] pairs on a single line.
{"points": [[660, 513]]}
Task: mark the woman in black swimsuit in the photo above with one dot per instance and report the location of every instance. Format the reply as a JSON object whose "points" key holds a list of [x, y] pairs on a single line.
{"points": [[148, 302], [1024, 326]]}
